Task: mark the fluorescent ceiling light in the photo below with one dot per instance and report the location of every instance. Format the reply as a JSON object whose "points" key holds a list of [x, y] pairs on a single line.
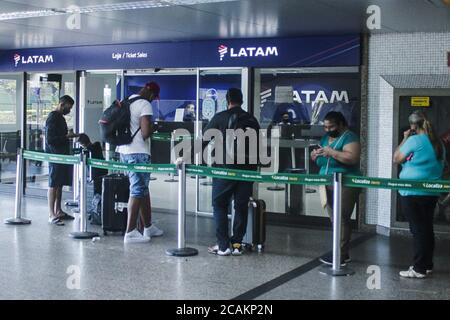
{"points": [[103, 8]]}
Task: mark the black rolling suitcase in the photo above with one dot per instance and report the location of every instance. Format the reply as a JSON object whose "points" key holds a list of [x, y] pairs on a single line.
{"points": [[115, 194], [255, 236]]}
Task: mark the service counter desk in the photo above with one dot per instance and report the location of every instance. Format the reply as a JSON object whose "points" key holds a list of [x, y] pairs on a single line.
{"points": [[163, 142], [295, 195]]}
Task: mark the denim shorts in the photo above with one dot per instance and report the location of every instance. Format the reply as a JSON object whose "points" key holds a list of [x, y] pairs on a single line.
{"points": [[138, 180]]}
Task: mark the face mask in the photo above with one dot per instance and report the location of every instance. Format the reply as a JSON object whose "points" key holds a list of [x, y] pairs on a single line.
{"points": [[285, 120], [334, 133]]}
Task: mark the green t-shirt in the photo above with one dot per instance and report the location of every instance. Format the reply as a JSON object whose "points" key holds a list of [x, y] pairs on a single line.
{"points": [[330, 165], [422, 163]]}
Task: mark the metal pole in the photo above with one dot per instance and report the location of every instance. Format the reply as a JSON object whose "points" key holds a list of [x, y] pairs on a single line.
{"points": [[172, 156], [19, 190], [182, 206], [83, 233], [182, 250], [274, 186], [75, 186], [305, 189], [337, 269]]}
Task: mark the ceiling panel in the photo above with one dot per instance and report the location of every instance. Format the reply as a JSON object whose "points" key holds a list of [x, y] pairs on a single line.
{"points": [[237, 19]]}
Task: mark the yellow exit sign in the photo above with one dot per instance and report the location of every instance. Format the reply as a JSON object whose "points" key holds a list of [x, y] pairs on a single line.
{"points": [[420, 101]]}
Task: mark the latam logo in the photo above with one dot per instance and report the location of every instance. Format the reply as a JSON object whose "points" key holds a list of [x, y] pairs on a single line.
{"points": [[223, 50], [16, 59], [48, 58], [306, 96], [247, 52]]}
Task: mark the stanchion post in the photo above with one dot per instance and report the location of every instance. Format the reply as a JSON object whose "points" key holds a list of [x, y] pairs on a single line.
{"points": [[172, 156], [75, 186], [275, 187], [83, 233], [336, 269], [19, 189], [208, 181], [182, 250]]}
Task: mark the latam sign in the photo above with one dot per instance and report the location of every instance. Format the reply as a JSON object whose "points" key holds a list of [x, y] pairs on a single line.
{"points": [[48, 58], [246, 52]]}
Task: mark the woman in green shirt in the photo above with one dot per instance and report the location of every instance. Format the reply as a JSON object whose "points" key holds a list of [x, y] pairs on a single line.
{"points": [[339, 152], [421, 156]]}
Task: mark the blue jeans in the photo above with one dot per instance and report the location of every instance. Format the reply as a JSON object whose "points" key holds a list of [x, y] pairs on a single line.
{"points": [[222, 192], [138, 180]]}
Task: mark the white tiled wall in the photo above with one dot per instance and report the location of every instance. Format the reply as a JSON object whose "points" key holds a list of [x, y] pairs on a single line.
{"points": [[423, 56]]}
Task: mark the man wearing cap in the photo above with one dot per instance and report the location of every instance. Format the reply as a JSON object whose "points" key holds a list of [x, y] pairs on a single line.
{"points": [[138, 151]]}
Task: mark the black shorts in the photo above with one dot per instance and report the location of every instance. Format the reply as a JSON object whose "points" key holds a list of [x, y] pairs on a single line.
{"points": [[59, 175]]}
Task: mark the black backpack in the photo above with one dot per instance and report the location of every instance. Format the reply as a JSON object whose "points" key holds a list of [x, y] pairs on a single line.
{"points": [[244, 121], [115, 123]]}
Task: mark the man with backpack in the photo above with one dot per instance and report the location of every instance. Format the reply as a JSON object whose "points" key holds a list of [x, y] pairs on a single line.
{"points": [[138, 151], [223, 189]]}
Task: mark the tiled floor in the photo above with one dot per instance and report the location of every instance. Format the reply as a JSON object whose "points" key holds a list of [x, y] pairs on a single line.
{"points": [[40, 261]]}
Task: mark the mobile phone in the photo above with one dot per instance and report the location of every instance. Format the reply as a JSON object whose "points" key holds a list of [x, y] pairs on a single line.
{"points": [[316, 146]]}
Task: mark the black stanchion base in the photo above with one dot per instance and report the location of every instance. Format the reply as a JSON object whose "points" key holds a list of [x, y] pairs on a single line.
{"points": [[182, 252], [83, 235], [153, 179], [343, 271], [171, 180], [71, 203], [17, 221], [308, 190], [275, 188]]}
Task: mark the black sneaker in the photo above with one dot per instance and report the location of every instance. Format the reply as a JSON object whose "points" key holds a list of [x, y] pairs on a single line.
{"points": [[328, 259], [237, 249]]}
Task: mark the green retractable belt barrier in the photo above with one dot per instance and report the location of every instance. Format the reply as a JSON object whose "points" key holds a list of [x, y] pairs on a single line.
{"points": [[138, 167], [49, 157], [438, 186], [244, 175], [167, 137]]}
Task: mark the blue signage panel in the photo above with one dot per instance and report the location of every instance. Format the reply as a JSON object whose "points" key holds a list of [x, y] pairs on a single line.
{"points": [[284, 52], [278, 52]]}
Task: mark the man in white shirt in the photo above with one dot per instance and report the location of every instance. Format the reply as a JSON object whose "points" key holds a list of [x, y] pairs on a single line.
{"points": [[138, 151]]}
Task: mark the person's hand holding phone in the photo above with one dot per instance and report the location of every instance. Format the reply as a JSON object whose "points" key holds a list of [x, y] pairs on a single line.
{"points": [[408, 133], [317, 151]]}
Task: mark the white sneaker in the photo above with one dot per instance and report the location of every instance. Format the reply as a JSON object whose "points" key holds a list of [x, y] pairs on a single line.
{"points": [[135, 237], [410, 273], [153, 231]]}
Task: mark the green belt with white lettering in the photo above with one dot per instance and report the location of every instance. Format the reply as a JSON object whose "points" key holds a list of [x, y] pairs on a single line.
{"points": [[136, 167], [254, 176], [167, 137], [49, 157], [438, 186]]}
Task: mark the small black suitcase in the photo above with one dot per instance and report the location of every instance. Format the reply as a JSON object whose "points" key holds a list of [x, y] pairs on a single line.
{"points": [[115, 194], [255, 236]]}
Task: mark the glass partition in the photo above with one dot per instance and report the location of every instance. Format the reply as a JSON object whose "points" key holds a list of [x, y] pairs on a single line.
{"points": [[43, 92], [11, 102], [294, 102], [212, 88]]}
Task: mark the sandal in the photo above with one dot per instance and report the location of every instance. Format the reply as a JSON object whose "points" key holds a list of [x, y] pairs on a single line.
{"points": [[56, 221], [64, 216]]}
